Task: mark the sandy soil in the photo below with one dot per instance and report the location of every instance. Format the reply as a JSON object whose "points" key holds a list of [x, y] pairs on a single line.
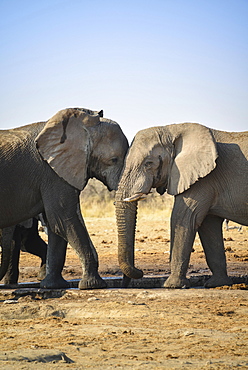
{"points": [[130, 328]]}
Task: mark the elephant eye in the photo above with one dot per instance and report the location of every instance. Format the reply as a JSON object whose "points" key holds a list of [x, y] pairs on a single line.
{"points": [[114, 160], [148, 164]]}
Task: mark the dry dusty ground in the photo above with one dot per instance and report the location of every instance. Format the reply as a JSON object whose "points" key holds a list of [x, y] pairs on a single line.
{"points": [[130, 328]]}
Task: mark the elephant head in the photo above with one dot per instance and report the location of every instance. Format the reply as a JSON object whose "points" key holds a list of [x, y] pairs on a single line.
{"points": [[78, 144], [168, 158]]}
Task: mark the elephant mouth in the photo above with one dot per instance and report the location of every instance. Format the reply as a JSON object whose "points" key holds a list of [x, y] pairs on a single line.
{"points": [[135, 197]]}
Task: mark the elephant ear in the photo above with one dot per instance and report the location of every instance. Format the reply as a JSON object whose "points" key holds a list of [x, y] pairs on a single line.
{"points": [[65, 144], [195, 154]]}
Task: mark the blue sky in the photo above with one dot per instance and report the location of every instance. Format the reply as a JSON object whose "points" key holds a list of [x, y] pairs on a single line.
{"points": [[144, 62]]}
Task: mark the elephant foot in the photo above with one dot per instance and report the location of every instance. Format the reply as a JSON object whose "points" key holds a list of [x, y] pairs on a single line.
{"points": [[42, 272], [92, 282], [11, 278], [51, 282], [216, 281], [9, 281], [175, 282]]}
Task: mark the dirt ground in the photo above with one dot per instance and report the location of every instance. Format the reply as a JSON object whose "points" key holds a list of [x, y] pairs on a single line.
{"points": [[130, 328]]}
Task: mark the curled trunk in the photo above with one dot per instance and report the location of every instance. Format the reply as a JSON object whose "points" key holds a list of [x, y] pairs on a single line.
{"points": [[126, 223], [6, 241]]}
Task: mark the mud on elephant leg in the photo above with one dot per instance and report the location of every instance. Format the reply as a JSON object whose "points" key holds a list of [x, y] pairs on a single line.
{"points": [[210, 233]]}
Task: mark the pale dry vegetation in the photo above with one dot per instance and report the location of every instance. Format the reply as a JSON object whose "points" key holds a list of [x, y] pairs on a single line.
{"points": [[97, 201]]}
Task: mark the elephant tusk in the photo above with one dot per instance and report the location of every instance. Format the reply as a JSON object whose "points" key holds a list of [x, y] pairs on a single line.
{"points": [[137, 196]]}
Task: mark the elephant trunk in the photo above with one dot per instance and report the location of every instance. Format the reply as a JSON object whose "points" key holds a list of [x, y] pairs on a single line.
{"points": [[126, 223], [6, 239]]}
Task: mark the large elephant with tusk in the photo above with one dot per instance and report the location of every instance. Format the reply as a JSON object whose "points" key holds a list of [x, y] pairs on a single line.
{"points": [[44, 166], [207, 172]]}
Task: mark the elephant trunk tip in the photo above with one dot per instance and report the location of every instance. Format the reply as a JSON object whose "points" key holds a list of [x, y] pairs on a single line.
{"points": [[130, 271]]}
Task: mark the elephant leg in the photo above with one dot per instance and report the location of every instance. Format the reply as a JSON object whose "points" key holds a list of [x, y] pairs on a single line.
{"points": [[211, 236], [38, 248], [12, 274], [64, 218], [82, 244], [35, 245], [56, 253], [182, 238], [42, 272], [80, 241]]}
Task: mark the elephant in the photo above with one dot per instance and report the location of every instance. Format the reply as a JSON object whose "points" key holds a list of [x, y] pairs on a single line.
{"points": [[206, 171], [44, 166], [26, 238]]}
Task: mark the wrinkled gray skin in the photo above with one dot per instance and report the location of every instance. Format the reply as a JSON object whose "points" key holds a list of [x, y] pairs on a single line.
{"points": [[207, 172], [26, 238], [44, 166]]}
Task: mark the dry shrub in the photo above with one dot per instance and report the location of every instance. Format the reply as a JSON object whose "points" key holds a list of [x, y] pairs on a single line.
{"points": [[155, 205], [97, 201]]}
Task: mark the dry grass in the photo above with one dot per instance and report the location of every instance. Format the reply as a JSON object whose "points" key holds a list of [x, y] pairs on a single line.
{"points": [[97, 201]]}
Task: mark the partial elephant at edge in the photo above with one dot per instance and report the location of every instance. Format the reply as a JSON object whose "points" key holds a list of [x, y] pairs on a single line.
{"points": [[49, 163], [25, 238], [206, 170]]}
